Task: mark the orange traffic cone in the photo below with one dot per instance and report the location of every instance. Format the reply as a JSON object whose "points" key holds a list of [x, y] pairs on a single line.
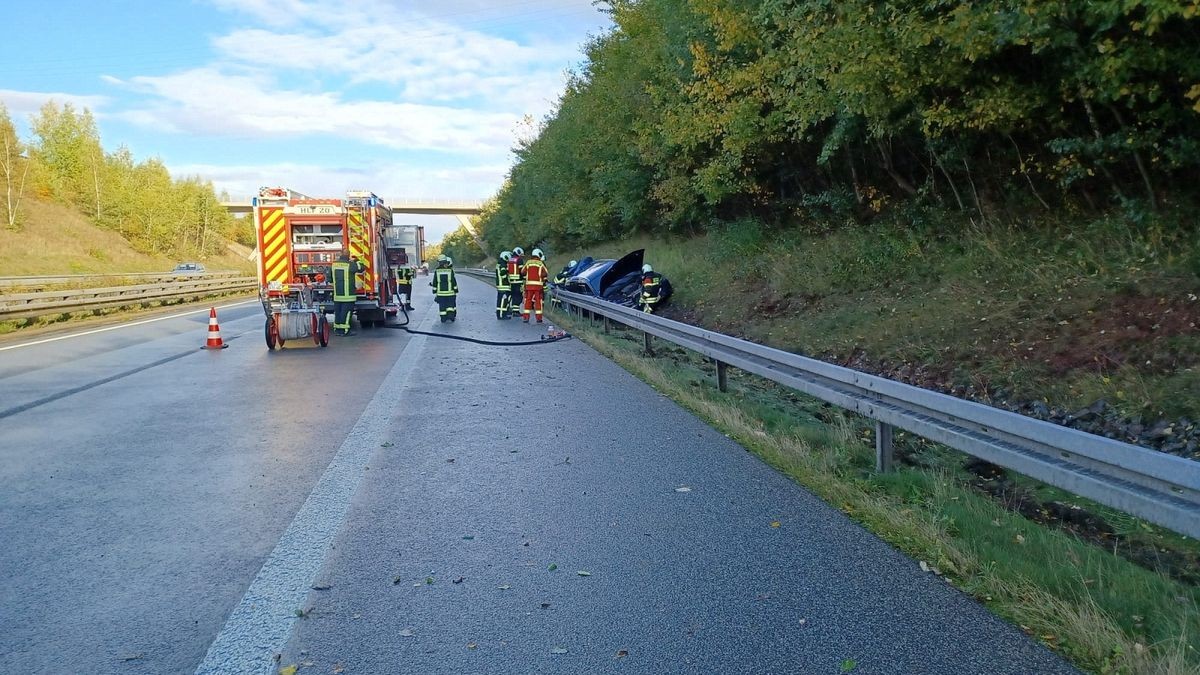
{"points": [[214, 332]]}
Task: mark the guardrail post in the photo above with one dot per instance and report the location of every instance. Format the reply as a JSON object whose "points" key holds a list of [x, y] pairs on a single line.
{"points": [[722, 376], [649, 346], [883, 447], [606, 325]]}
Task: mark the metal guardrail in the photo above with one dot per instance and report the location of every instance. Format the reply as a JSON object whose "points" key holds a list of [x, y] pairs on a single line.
{"points": [[56, 279], [45, 303], [1158, 487]]}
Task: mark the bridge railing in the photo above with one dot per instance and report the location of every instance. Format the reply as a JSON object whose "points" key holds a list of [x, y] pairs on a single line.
{"points": [[1158, 487]]}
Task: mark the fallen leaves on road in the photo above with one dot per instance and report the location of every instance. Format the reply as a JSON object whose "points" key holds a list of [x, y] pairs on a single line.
{"points": [[848, 665], [559, 650], [622, 653], [323, 587], [386, 444], [337, 668], [396, 579], [584, 573], [407, 632], [288, 670], [775, 523], [468, 537], [683, 489], [505, 587], [428, 580], [553, 566], [460, 580], [545, 605], [133, 657], [471, 645]]}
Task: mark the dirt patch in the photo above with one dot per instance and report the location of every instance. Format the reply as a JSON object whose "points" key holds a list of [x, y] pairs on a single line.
{"points": [[1128, 329]]}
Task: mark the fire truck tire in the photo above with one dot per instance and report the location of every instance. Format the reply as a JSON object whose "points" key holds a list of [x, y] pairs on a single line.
{"points": [[321, 331], [272, 334]]}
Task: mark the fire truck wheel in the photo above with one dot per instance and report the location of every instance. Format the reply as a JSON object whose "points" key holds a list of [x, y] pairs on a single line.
{"points": [[272, 333], [322, 332]]}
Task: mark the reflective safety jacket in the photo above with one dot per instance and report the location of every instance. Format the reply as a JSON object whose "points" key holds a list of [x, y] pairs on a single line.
{"points": [[405, 275], [502, 276], [514, 271], [443, 282], [561, 277], [536, 274], [343, 280], [651, 287]]}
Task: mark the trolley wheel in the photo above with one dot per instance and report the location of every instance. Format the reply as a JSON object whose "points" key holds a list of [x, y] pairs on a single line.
{"points": [[322, 332], [272, 333]]}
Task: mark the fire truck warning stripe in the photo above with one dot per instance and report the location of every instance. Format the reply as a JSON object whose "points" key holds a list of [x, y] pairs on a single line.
{"points": [[273, 263], [274, 246], [274, 228]]}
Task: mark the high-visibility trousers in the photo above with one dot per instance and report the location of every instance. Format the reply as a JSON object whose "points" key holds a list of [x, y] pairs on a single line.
{"points": [[533, 302], [516, 289], [503, 304], [447, 306], [341, 315]]}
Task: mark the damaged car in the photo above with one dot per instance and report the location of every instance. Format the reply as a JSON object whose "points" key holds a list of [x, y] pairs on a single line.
{"points": [[616, 280]]}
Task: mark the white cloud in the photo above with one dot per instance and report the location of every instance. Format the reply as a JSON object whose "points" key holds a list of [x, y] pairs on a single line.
{"points": [[210, 102], [395, 181], [24, 103]]}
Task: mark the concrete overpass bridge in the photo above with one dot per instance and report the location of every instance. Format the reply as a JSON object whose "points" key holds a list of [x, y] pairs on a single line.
{"points": [[423, 207]]}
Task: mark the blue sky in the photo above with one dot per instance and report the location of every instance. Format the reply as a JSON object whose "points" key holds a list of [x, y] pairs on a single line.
{"points": [[410, 98]]}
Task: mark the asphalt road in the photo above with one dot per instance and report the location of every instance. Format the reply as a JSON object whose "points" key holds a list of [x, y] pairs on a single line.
{"points": [[549, 513], [427, 506], [143, 481]]}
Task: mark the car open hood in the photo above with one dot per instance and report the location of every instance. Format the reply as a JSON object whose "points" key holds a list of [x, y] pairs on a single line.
{"points": [[631, 262]]}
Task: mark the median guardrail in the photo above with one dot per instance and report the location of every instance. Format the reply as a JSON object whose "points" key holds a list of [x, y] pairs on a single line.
{"points": [[1158, 487], [46, 303], [41, 281]]}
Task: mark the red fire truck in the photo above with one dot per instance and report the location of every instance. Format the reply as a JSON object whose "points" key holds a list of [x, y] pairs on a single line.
{"points": [[299, 239]]}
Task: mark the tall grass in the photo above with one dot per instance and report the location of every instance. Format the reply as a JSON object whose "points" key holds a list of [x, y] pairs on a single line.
{"points": [[917, 289]]}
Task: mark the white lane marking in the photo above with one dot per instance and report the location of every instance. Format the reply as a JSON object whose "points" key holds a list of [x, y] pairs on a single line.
{"points": [[120, 325], [261, 624]]}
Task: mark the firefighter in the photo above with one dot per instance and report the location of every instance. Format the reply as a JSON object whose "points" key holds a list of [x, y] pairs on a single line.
{"points": [[651, 289], [404, 280], [344, 292], [516, 282], [445, 289], [503, 290], [536, 276], [560, 279]]}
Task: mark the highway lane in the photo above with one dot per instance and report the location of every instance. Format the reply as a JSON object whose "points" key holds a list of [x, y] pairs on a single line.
{"points": [[465, 547], [143, 481]]}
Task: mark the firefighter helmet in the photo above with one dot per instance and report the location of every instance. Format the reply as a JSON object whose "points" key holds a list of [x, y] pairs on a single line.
{"points": [[518, 251], [646, 269], [573, 263], [537, 253], [505, 255]]}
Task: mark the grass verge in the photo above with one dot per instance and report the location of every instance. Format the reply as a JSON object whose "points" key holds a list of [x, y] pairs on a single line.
{"points": [[1102, 612]]}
